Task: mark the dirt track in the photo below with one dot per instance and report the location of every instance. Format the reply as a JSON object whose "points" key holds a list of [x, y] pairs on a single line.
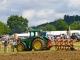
{"points": [[48, 55]]}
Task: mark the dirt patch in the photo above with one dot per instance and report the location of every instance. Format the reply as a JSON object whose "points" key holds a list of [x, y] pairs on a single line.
{"points": [[47, 55]]}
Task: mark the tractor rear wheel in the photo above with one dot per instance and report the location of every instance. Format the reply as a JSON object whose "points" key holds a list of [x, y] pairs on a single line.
{"points": [[38, 44], [20, 47]]}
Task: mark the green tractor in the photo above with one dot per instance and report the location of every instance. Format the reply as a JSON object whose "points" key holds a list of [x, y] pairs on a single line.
{"points": [[37, 41]]}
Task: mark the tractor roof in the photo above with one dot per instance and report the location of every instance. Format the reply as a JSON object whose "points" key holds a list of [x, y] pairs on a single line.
{"points": [[35, 30]]}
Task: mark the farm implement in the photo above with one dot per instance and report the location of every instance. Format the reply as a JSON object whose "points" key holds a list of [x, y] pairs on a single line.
{"points": [[64, 44]]}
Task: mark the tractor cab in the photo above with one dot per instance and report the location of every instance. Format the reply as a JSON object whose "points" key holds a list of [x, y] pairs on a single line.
{"points": [[36, 32]]}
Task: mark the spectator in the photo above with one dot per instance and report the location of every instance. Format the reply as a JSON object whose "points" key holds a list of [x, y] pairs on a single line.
{"points": [[18, 40], [13, 45], [5, 46]]}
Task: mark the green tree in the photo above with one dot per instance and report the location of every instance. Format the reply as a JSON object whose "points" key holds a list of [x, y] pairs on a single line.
{"points": [[4, 29], [61, 25], [48, 27], [42, 28], [17, 24], [75, 25]]}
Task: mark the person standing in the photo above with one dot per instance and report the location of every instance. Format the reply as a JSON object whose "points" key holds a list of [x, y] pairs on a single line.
{"points": [[68, 34], [14, 42], [5, 46], [13, 45]]}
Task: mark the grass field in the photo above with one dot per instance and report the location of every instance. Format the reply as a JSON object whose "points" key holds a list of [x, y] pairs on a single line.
{"points": [[76, 46]]}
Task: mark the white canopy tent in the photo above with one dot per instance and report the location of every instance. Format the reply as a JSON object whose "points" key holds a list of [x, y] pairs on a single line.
{"points": [[61, 32]]}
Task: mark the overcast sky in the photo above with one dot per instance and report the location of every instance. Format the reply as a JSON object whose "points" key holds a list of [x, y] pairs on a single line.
{"points": [[38, 11]]}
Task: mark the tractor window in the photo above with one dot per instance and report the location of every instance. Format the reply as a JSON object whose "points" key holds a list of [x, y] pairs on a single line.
{"points": [[32, 34], [36, 34], [39, 33]]}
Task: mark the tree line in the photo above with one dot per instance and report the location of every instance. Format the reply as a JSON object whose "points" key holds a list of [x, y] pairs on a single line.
{"points": [[18, 24], [71, 19]]}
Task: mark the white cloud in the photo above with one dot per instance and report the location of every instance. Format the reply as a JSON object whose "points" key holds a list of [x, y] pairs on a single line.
{"points": [[73, 13], [74, 3], [44, 13], [28, 14], [59, 15], [14, 10], [38, 14], [3, 5], [40, 22]]}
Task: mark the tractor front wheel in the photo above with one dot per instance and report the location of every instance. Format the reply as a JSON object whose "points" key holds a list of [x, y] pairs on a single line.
{"points": [[20, 47]]}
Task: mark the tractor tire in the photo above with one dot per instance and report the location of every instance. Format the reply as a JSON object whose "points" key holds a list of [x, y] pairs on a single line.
{"points": [[38, 44], [21, 46]]}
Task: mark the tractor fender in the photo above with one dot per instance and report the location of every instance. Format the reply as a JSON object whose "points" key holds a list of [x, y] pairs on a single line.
{"points": [[37, 37]]}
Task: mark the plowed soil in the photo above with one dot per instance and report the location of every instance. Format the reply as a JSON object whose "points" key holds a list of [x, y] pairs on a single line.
{"points": [[42, 55]]}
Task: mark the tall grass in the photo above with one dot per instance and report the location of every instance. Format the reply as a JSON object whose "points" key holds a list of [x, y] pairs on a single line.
{"points": [[9, 48], [77, 45]]}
